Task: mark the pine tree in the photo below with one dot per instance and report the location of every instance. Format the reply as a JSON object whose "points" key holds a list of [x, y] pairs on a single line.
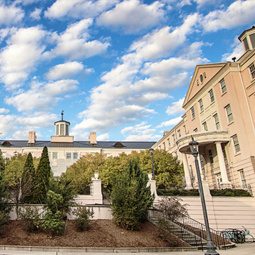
{"points": [[42, 177], [27, 180], [131, 198]]}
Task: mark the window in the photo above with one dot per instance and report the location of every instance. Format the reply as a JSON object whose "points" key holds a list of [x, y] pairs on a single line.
{"points": [[184, 127], [246, 44], [229, 113], [160, 147], [179, 133], [68, 155], [169, 143], [62, 127], [211, 95], [195, 130], [205, 126], [216, 120], [219, 180], [210, 157], [192, 112], [173, 138], [252, 70], [54, 155], [201, 105], [236, 143], [75, 155], [243, 179], [223, 86], [201, 78], [164, 145]]}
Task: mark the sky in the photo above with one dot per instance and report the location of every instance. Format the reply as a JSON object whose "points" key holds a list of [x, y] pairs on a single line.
{"points": [[119, 68]]}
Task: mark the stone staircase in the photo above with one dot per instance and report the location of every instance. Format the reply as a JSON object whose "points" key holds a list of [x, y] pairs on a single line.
{"points": [[182, 233]]}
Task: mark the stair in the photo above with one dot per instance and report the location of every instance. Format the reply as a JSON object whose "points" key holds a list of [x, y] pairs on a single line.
{"points": [[183, 234]]}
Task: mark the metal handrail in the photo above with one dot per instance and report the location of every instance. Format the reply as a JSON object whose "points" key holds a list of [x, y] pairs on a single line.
{"points": [[199, 229]]}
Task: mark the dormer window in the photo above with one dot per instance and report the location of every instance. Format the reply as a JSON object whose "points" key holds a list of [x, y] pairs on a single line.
{"points": [[6, 143], [118, 145]]}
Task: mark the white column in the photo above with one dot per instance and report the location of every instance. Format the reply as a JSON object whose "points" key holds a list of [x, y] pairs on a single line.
{"points": [[225, 182], [186, 171]]}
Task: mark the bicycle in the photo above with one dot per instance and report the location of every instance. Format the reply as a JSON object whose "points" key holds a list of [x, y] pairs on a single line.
{"points": [[234, 235], [248, 237]]}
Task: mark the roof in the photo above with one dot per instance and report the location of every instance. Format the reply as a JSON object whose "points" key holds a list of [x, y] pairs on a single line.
{"points": [[78, 144]]}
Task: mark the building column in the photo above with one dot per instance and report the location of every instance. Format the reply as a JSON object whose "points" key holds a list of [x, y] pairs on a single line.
{"points": [[225, 182], [186, 171]]}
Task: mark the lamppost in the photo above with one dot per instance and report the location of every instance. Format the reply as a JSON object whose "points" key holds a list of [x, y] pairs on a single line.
{"points": [[211, 248], [153, 172]]}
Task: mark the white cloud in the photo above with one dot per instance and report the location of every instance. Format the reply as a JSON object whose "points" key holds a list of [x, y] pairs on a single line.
{"points": [[140, 132], [176, 107], [36, 14], [103, 137], [78, 9], [73, 42], [237, 51], [24, 48], [10, 14], [3, 110], [163, 42], [171, 122], [131, 16], [64, 71], [237, 14], [41, 97]]}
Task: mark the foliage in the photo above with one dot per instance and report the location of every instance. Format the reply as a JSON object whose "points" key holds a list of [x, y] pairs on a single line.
{"points": [[168, 171], [28, 180], [54, 202], [80, 173], [172, 208], [42, 177], [178, 192], [29, 216], [82, 221], [52, 223], [61, 185], [230, 192], [131, 198]]}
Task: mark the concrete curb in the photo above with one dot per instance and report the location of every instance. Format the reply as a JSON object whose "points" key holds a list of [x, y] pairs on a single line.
{"points": [[95, 249]]}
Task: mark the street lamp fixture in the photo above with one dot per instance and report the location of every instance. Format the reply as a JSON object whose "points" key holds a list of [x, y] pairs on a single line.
{"points": [[211, 248], [153, 172]]}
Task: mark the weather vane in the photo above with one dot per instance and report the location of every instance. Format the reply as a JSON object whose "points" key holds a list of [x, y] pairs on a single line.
{"points": [[62, 114]]}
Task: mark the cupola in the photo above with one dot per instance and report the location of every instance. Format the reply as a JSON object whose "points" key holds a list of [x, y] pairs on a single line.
{"points": [[62, 131], [248, 39]]}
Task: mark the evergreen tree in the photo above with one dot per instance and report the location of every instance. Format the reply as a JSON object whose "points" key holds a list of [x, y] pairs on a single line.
{"points": [[27, 180], [42, 177], [131, 198]]}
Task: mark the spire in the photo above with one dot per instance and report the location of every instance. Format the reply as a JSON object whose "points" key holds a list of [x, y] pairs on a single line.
{"points": [[62, 114]]}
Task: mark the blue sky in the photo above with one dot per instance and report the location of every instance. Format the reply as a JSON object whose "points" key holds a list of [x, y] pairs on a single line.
{"points": [[120, 68]]}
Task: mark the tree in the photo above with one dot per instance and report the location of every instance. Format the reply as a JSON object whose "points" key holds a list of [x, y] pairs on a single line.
{"points": [[42, 177], [131, 198], [28, 180], [80, 173]]}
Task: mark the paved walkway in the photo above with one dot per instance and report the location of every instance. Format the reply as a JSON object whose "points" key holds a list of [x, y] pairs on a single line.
{"points": [[240, 249]]}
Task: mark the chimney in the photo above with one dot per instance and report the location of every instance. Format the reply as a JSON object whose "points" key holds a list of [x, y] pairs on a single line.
{"points": [[32, 137], [93, 138], [165, 132]]}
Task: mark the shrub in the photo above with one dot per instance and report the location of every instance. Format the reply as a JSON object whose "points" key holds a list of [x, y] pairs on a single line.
{"points": [[178, 192], [82, 221], [131, 198], [52, 223], [230, 192], [172, 208], [29, 216]]}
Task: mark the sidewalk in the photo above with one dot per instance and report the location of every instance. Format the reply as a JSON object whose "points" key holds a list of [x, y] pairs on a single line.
{"points": [[240, 249]]}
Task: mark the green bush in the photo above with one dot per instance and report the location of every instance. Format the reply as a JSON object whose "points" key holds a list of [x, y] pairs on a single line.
{"points": [[29, 216], [82, 221], [230, 192], [131, 198], [178, 192], [52, 223]]}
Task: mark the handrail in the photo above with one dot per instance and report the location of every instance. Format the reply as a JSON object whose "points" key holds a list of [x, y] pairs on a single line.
{"points": [[200, 229]]}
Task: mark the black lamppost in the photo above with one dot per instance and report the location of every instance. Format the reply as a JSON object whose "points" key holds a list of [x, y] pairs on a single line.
{"points": [[153, 172], [211, 248]]}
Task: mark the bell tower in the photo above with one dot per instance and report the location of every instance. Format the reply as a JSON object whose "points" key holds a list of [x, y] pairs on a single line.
{"points": [[62, 131], [248, 39]]}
